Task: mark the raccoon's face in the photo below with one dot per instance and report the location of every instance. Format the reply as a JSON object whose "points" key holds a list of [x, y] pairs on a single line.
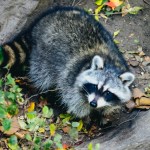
{"points": [[102, 87]]}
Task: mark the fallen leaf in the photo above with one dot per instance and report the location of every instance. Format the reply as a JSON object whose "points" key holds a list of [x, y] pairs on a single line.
{"points": [[134, 10], [43, 102], [97, 10], [143, 101], [116, 41], [31, 107], [14, 127], [41, 130], [143, 107], [65, 146], [98, 2], [52, 129], [80, 125], [114, 3], [66, 129], [124, 11], [137, 93], [103, 16], [116, 33], [21, 134]]}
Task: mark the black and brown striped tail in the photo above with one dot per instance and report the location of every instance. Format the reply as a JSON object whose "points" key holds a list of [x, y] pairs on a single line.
{"points": [[14, 53]]}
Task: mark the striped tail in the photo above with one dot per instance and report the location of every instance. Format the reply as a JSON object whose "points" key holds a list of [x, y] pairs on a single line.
{"points": [[14, 53]]}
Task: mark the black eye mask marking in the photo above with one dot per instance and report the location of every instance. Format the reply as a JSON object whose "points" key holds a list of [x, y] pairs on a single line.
{"points": [[110, 97], [89, 88]]}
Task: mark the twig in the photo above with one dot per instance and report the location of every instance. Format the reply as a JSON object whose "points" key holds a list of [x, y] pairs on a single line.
{"points": [[41, 93], [146, 2], [73, 2]]}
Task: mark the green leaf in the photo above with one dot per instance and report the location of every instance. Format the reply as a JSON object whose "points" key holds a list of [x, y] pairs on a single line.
{"points": [[47, 113], [22, 124], [73, 133], [116, 41], [47, 144], [57, 138], [31, 115], [80, 125], [59, 145], [1, 56], [98, 2], [10, 96], [52, 129], [75, 124], [12, 109], [10, 80], [2, 97], [90, 146], [13, 140], [6, 123], [62, 116], [28, 137], [2, 112], [136, 41], [1, 83], [97, 146], [116, 33], [37, 140], [134, 10], [97, 11]]}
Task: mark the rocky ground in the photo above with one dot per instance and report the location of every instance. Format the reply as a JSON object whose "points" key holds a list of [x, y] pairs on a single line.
{"points": [[134, 37]]}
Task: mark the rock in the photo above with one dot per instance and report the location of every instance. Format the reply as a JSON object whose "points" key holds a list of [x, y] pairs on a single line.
{"points": [[13, 16], [131, 135]]}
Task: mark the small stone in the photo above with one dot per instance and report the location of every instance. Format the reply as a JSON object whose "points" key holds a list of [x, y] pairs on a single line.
{"points": [[134, 63]]}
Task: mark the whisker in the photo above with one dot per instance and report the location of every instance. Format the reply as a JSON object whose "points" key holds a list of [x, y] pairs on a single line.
{"points": [[85, 89]]}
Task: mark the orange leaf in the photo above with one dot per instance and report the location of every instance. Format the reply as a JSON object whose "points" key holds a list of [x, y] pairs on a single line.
{"points": [[66, 129], [114, 3], [31, 106], [65, 146]]}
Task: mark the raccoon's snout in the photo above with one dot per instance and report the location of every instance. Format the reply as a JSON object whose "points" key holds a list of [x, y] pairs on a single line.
{"points": [[93, 103]]}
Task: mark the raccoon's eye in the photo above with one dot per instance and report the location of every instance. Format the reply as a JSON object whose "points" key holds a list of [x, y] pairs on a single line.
{"points": [[90, 88], [110, 96]]}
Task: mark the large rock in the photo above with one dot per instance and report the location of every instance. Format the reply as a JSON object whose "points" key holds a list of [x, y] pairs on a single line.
{"points": [[131, 134], [13, 16]]}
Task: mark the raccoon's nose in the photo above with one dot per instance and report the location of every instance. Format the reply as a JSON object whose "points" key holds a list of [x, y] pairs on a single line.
{"points": [[93, 103]]}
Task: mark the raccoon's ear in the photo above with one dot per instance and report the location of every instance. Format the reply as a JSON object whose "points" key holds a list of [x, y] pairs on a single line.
{"points": [[127, 78], [97, 63]]}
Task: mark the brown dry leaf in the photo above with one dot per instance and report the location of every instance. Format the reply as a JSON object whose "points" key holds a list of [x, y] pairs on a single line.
{"points": [[66, 129], [143, 107], [42, 103], [125, 9], [141, 53], [14, 127], [137, 93], [147, 58], [21, 134], [143, 101]]}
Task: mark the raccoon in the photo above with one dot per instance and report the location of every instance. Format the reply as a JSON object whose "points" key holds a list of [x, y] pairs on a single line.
{"points": [[73, 52]]}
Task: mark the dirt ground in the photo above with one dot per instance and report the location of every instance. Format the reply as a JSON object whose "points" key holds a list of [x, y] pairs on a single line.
{"points": [[134, 36]]}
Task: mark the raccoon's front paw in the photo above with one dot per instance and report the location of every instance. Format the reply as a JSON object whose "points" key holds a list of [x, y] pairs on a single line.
{"points": [[109, 114]]}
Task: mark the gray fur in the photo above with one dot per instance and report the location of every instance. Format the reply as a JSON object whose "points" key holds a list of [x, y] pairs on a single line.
{"points": [[64, 43]]}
